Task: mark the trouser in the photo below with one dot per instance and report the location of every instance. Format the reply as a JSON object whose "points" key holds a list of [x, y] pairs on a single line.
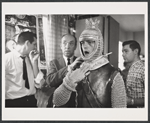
{"points": [[27, 101]]}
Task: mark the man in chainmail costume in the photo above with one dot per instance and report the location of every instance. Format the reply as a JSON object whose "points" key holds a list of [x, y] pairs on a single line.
{"points": [[96, 83]]}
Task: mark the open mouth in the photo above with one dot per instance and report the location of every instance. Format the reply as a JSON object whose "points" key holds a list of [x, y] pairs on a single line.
{"points": [[86, 53]]}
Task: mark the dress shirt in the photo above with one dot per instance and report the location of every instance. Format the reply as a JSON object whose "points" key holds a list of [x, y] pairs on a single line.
{"points": [[66, 59], [14, 82]]}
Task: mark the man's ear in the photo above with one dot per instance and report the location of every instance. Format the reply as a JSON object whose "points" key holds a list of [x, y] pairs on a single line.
{"points": [[136, 51], [60, 46], [27, 42], [76, 46]]}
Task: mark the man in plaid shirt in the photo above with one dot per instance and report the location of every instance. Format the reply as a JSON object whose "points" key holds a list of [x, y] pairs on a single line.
{"points": [[135, 83]]}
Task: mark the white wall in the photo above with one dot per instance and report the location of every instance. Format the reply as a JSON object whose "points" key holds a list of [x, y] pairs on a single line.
{"points": [[130, 35], [122, 35], [139, 36]]}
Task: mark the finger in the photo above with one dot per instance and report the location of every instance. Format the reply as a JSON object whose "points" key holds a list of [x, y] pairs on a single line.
{"points": [[77, 70], [41, 104], [36, 52], [87, 73], [69, 72], [84, 64], [31, 51], [37, 94], [84, 69], [79, 62], [35, 55], [37, 102], [79, 58], [45, 104]]}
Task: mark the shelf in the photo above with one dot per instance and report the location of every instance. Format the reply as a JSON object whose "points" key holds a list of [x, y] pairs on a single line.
{"points": [[20, 26]]}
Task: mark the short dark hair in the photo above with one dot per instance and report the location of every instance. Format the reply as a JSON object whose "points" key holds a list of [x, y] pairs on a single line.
{"points": [[72, 36], [133, 45], [23, 36]]}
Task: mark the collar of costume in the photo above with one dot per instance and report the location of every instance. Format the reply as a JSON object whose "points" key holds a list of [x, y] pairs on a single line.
{"points": [[98, 62]]}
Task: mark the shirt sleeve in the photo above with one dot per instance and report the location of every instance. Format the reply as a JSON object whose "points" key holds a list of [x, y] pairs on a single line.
{"points": [[118, 93], [6, 62], [39, 77]]}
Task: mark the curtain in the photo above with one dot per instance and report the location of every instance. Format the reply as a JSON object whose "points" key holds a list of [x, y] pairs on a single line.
{"points": [[54, 26]]}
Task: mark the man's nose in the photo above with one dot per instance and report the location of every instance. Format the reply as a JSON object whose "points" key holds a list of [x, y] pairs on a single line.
{"points": [[67, 45], [123, 54], [85, 44]]}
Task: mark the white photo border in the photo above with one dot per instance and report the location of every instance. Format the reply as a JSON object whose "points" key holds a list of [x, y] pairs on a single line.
{"points": [[78, 114]]}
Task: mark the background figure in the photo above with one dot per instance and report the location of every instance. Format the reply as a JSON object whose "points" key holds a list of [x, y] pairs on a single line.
{"points": [[22, 73], [10, 45], [125, 71], [57, 71], [135, 81], [96, 82]]}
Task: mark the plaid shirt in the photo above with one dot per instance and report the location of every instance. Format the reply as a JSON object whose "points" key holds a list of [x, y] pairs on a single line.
{"points": [[135, 80]]}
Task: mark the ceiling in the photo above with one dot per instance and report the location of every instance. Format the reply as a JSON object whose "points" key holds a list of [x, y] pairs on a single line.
{"points": [[131, 23]]}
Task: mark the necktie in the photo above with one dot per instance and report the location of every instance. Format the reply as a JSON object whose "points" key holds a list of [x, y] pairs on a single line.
{"points": [[25, 75], [68, 59]]}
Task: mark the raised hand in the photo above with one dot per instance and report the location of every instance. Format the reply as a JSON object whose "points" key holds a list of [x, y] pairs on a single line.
{"points": [[76, 63], [33, 55], [79, 74]]}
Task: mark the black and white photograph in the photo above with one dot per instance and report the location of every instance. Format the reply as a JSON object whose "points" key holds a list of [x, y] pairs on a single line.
{"points": [[86, 61]]}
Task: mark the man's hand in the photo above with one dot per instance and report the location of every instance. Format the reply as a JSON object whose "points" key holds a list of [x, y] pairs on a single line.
{"points": [[43, 95], [76, 63], [33, 55], [79, 74], [42, 99], [39, 85]]}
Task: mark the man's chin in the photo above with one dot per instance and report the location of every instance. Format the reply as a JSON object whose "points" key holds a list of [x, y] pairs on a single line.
{"points": [[125, 60], [68, 55], [86, 55]]}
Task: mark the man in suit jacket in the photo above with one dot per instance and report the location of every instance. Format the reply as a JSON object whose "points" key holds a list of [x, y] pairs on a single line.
{"points": [[59, 67]]}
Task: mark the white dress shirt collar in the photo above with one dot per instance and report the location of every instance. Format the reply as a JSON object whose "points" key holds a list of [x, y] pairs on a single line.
{"points": [[66, 61], [17, 54]]}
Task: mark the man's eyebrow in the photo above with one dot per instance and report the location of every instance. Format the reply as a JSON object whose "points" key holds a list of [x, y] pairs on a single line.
{"points": [[63, 41], [72, 41]]}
